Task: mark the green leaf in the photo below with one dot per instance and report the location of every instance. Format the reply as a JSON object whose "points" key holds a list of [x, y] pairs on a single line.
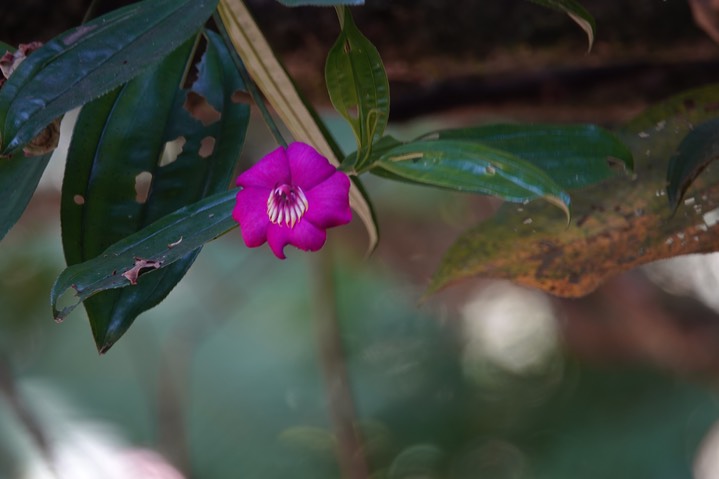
{"points": [[617, 225], [576, 12], [572, 155], [297, 114], [19, 177], [83, 63], [319, 3], [473, 168], [699, 148], [125, 137], [358, 86], [164, 242]]}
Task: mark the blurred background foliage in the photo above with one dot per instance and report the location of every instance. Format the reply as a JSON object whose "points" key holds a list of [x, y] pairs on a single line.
{"points": [[485, 380]]}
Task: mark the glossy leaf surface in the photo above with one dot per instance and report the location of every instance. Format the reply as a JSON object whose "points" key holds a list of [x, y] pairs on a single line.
{"points": [[358, 86], [617, 225], [163, 243], [574, 156], [121, 174], [88, 61], [576, 12], [19, 176], [473, 168]]}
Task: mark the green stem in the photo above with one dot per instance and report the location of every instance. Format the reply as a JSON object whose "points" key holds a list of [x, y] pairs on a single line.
{"points": [[249, 83]]}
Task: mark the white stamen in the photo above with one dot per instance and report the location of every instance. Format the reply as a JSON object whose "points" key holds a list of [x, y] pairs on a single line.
{"points": [[286, 204]]}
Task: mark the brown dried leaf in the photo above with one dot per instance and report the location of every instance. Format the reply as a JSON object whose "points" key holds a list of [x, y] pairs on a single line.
{"points": [[617, 225]]}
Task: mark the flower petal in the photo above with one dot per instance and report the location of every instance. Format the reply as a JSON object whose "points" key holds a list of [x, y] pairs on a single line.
{"points": [[271, 170], [308, 167], [304, 236], [250, 212], [278, 238], [329, 203]]}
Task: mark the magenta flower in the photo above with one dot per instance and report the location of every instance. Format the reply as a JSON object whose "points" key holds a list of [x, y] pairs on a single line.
{"points": [[291, 196]]}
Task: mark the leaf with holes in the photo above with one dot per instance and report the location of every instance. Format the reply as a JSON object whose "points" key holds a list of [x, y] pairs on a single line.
{"points": [[470, 167], [358, 86], [140, 153], [141, 259], [618, 224], [83, 63], [576, 12]]}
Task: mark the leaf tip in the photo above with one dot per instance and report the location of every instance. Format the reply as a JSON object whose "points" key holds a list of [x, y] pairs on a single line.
{"points": [[563, 202], [63, 301], [102, 349]]}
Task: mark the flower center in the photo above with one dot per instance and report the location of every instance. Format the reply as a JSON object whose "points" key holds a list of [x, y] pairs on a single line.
{"points": [[286, 204]]}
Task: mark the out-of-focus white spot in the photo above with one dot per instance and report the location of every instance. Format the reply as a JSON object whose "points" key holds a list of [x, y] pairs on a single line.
{"points": [[511, 326], [695, 275], [52, 177], [706, 462], [78, 448], [711, 217]]}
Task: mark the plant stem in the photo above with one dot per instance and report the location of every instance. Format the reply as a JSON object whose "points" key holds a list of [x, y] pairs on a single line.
{"points": [[351, 457]]}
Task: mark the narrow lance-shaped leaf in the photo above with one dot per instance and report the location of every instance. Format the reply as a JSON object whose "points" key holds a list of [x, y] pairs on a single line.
{"points": [[81, 64], [358, 86], [281, 93], [127, 138], [473, 168], [146, 253], [699, 148], [574, 156], [576, 12]]}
